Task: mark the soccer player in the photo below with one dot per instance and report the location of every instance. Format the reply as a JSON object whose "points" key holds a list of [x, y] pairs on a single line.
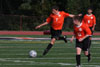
{"points": [[81, 33], [90, 20], [56, 19]]}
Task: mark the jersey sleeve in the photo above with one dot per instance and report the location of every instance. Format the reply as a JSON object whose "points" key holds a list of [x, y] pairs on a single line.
{"points": [[83, 19], [65, 14], [87, 30], [94, 20], [48, 19]]}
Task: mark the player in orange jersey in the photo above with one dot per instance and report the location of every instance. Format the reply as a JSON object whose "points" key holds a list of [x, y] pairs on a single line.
{"points": [[81, 33], [57, 19], [90, 19]]}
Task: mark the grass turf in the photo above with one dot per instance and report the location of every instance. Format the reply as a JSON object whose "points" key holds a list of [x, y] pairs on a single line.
{"points": [[15, 54]]}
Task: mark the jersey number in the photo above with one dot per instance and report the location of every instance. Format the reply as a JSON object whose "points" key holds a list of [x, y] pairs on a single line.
{"points": [[56, 19]]}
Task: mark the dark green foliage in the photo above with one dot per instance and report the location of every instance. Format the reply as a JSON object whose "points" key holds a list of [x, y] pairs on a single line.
{"points": [[39, 10]]}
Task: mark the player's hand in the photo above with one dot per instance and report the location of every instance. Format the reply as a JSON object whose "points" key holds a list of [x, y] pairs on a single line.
{"points": [[93, 29], [37, 27], [79, 14], [71, 40]]}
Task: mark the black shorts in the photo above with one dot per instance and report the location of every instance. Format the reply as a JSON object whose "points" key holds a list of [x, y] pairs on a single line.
{"points": [[55, 33], [91, 30], [84, 45]]}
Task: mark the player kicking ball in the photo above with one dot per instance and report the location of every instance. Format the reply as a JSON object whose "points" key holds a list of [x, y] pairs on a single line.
{"points": [[57, 19], [81, 33]]}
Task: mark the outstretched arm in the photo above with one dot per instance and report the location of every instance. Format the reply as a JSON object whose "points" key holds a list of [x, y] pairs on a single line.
{"points": [[43, 24], [71, 15]]}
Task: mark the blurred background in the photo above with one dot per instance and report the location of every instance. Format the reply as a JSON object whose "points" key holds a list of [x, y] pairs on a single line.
{"points": [[24, 15]]}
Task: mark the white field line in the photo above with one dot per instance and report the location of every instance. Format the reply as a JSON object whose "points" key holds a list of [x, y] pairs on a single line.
{"points": [[35, 64], [19, 62]]}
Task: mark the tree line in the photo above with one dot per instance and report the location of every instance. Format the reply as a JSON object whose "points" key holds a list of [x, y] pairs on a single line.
{"points": [[39, 10]]}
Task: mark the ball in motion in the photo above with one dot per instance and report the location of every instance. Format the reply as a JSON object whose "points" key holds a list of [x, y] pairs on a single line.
{"points": [[33, 53]]}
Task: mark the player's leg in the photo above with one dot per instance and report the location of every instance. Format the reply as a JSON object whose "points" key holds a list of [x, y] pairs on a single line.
{"points": [[49, 46], [78, 52], [59, 32], [90, 38], [88, 55], [89, 45], [53, 38], [63, 38], [86, 48], [89, 52], [78, 56]]}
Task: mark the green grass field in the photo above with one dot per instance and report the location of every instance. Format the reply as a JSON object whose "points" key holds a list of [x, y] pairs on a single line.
{"points": [[15, 54]]}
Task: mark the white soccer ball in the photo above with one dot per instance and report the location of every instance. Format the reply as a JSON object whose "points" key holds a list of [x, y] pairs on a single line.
{"points": [[32, 53]]}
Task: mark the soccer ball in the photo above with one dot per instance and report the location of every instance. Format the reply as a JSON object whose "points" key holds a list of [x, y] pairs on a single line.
{"points": [[32, 53]]}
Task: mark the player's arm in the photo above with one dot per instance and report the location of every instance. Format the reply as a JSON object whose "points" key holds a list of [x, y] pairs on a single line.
{"points": [[43, 24], [71, 15], [93, 27], [48, 20], [68, 15], [94, 20], [88, 33], [81, 39], [71, 40]]}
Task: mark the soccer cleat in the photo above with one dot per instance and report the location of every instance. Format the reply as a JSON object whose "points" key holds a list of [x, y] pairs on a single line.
{"points": [[45, 52], [78, 66], [65, 39]]}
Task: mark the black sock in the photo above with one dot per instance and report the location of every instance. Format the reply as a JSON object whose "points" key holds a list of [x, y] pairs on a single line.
{"points": [[78, 59], [47, 49], [49, 46], [89, 55]]}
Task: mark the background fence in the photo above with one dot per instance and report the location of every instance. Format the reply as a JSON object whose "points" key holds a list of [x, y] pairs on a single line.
{"points": [[26, 23], [24, 15]]}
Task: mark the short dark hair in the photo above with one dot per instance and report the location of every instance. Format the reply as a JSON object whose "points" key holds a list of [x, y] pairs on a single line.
{"points": [[90, 8], [77, 18], [55, 7]]}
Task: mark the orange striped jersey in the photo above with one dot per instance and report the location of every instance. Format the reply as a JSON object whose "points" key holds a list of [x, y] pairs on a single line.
{"points": [[81, 31], [57, 20], [90, 20]]}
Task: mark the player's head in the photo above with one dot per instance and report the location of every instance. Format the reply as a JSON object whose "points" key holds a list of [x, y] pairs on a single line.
{"points": [[76, 20], [89, 10], [55, 9]]}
